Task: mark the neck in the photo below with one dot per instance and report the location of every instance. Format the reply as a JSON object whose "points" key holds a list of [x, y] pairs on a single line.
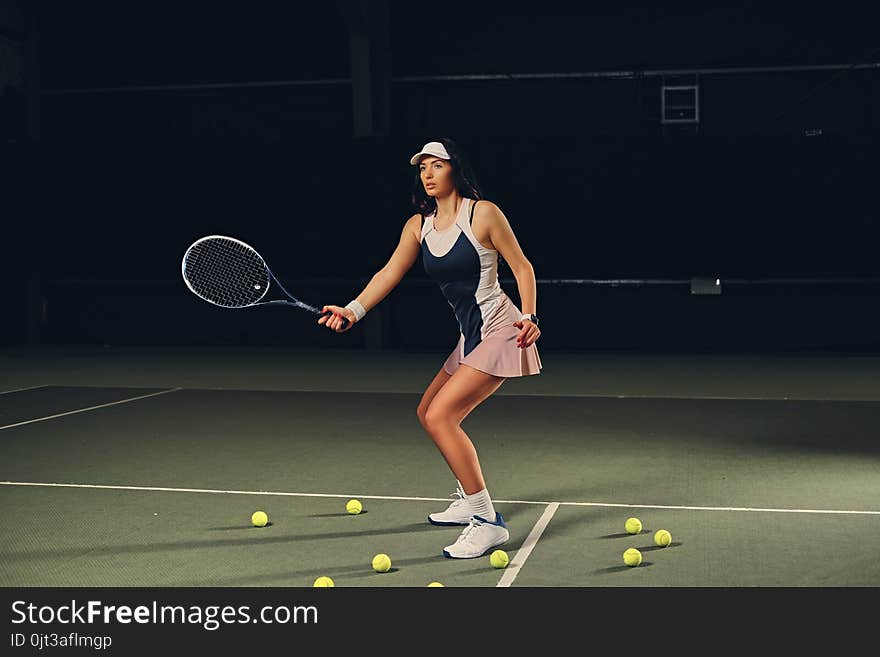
{"points": [[447, 206]]}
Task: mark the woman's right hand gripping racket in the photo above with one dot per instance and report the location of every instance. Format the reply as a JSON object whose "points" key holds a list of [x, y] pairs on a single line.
{"points": [[336, 318]]}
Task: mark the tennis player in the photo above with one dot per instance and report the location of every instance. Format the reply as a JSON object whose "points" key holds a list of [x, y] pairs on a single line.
{"points": [[460, 236]]}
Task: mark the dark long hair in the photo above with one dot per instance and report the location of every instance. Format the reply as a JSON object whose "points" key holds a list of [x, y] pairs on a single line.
{"points": [[462, 175]]}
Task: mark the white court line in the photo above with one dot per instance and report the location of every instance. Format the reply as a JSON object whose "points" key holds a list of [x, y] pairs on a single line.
{"points": [[595, 395], [432, 499], [688, 397], [225, 492], [90, 408], [699, 508], [578, 395], [6, 392], [523, 553]]}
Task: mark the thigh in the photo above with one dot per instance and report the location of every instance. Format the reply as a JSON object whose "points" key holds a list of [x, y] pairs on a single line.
{"points": [[433, 388], [463, 392]]}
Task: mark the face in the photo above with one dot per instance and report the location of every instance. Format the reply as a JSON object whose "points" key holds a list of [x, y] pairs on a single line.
{"points": [[436, 176]]}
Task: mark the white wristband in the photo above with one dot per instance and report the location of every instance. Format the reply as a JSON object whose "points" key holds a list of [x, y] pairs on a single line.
{"points": [[357, 309]]}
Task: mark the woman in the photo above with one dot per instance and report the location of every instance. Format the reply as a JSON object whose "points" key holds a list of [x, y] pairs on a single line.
{"points": [[460, 240]]}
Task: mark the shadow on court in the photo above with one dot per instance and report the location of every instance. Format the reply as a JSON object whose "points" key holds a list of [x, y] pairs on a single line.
{"points": [[619, 569], [338, 573], [651, 548], [626, 534], [336, 515], [253, 540]]}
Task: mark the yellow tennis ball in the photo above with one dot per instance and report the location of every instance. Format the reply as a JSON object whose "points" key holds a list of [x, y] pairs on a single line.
{"points": [[662, 538], [323, 582], [632, 557], [499, 559], [434, 584], [381, 563], [633, 525], [354, 506], [259, 519]]}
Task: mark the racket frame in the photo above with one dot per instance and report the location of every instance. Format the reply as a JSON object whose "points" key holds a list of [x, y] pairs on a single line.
{"points": [[293, 300]]}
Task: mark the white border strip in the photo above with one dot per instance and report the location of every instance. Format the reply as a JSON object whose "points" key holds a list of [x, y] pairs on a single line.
{"points": [[90, 408], [523, 553], [6, 392], [434, 499]]}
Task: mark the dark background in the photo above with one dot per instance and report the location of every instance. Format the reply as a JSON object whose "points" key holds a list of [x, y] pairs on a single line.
{"points": [[134, 128]]}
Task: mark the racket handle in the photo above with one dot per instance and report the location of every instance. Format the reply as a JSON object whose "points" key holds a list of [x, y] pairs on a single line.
{"points": [[330, 312]]}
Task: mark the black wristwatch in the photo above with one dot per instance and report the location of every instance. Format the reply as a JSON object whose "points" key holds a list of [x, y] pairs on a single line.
{"points": [[532, 318]]}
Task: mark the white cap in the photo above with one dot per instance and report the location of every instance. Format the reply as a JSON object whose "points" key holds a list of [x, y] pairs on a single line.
{"points": [[434, 148]]}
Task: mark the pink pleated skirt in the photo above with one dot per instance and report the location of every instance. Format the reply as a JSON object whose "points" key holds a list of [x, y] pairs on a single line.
{"points": [[497, 353]]}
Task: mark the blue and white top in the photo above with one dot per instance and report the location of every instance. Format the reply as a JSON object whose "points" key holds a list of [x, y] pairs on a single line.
{"points": [[467, 273]]}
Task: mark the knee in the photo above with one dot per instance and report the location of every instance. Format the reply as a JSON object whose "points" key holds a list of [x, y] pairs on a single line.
{"points": [[422, 412], [435, 416]]}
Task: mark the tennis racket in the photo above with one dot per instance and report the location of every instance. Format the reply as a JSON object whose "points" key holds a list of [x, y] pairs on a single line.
{"points": [[231, 274]]}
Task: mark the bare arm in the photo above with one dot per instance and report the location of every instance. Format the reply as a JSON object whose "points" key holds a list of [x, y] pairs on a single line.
{"points": [[502, 237], [384, 280], [507, 246]]}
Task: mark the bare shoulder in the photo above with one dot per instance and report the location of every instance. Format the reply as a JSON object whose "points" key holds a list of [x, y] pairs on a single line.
{"points": [[488, 217], [414, 226], [487, 211]]}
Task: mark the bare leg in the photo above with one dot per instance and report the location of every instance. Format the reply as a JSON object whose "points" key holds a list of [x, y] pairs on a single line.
{"points": [[452, 402], [433, 388]]}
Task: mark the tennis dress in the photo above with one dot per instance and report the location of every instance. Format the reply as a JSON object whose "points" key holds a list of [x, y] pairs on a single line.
{"points": [[467, 273]]}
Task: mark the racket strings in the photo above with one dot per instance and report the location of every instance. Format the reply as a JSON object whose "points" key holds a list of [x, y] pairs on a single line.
{"points": [[226, 272]]}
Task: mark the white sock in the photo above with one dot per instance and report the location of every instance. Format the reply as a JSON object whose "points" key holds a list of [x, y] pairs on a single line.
{"points": [[481, 504], [461, 490]]}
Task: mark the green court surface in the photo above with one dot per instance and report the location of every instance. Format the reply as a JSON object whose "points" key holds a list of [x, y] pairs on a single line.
{"points": [[142, 468]]}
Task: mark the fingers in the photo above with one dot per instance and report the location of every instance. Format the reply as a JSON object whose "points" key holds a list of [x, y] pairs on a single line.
{"points": [[335, 322], [527, 337], [335, 319]]}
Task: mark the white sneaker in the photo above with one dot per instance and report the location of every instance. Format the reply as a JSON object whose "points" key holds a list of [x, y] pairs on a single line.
{"points": [[478, 537], [458, 513]]}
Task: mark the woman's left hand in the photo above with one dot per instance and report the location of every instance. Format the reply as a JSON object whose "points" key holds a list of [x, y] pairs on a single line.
{"points": [[529, 333]]}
